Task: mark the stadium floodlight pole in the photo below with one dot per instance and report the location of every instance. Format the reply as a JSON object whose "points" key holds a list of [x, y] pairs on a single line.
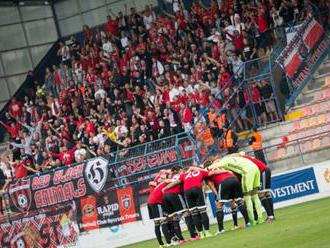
{"points": [[57, 27]]}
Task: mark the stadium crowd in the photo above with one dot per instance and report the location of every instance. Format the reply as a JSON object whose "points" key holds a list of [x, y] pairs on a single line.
{"points": [[143, 77]]}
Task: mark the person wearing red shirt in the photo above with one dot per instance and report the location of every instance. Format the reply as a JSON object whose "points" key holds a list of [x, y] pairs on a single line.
{"points": [[22, 168], [111, 27], [15, 108], [156, 213], [12, 129], [265, 191], [174, 203], [192, 181], [66, 156], [186, 117], [258, 105], [89, 127], [238, 40], [173, 198], [227, 188]]}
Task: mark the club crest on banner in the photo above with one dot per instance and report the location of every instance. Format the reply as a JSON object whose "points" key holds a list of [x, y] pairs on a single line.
{"points": [[96, 172], [20, 194], [126, 201]]}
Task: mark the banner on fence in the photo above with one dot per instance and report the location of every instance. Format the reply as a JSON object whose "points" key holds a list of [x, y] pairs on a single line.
{"points": [[302, 51], [142, 168], [52, 229], [291, 32], [289, 186], [113, 208], [60, 186]]}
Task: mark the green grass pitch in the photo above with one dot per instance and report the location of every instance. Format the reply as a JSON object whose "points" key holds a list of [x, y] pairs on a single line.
{"points": [[305, 225]]}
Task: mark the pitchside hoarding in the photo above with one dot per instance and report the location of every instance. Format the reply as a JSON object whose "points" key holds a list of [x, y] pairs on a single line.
{"points": [[295, 184]]}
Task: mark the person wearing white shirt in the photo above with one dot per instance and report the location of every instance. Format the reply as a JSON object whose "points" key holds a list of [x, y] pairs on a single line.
{"points": [[229, 29], [100, 93], [123, 40], [107, 46], [174, 91], [148, 18]]}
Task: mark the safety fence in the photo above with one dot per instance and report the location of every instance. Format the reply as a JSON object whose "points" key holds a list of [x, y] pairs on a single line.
{"points": [[301, 151]]}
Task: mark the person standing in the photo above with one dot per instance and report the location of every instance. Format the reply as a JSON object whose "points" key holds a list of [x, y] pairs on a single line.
{"points": [[250, 182], [230, 140], [256, 145]]}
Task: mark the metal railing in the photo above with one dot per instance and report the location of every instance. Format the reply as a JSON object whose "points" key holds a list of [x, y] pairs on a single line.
{"points": [[303, 151]]}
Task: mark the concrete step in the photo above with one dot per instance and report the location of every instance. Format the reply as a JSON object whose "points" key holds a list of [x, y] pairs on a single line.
{"points": [[318, 75], [299, 161], [315, 84], [324, 69], [300, 107], [313, 94]]}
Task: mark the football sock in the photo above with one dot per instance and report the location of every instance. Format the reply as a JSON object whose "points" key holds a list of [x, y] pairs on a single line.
{"points": [[271, 204], [171, 230], [205, 221], [234, 215], [190, 225], [243, 211], [267, 207], [177, 229], [220, 216], [197, 221], [166, 233], [249, 207], [255, 214], [158, 234], [257, 205]]}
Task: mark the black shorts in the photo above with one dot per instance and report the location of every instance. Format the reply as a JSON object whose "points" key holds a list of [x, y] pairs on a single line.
{"points": [[266, 180], [156, 211], [229, 189], [174, 203], [195, 198]]}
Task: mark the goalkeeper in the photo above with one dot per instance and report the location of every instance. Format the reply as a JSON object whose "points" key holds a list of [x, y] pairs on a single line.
{"points": [[250, 182]]}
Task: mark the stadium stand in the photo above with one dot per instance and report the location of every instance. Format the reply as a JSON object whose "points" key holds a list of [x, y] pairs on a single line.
{"points": [[131, 82]]}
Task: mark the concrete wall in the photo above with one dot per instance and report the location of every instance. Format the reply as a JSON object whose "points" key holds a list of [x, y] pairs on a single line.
{"points": [[26, 34]]}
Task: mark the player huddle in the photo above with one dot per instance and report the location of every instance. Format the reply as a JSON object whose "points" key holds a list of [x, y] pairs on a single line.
{"points": [[241, 180]]}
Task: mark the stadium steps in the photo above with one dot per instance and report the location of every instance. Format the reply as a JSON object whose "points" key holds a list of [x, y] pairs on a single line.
{"points": [[310, 116]]}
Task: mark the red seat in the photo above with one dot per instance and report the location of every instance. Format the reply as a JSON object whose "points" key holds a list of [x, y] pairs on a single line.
{"points": [[295, 126]]}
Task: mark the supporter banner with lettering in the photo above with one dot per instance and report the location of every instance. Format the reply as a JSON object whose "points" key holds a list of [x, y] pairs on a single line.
{"points": [[52, 229], [291, 32], [302, 51], [60, 186], [143, 168], [112, 208], [294, 184]]}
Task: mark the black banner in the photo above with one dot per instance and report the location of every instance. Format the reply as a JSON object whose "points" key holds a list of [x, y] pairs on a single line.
{"points": [[141, 169], [60, 186]]}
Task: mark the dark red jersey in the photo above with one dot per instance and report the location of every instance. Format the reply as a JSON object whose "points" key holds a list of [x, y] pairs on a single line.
{"points": [[219, 178], [156, 195], [177, 188], [262, 166], [193, 178]]}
